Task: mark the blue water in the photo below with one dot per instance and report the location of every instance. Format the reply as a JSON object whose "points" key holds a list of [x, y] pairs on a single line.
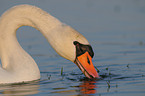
{"points": [[116, 31]]}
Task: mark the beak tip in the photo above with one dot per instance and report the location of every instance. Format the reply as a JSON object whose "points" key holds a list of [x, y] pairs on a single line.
{"points": [[92, 75], [96, 75]]}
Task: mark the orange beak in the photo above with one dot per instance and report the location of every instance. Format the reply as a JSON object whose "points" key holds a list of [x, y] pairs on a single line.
{"points": [[84, 62]]}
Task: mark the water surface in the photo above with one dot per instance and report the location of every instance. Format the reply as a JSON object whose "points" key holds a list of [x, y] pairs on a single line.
{"points": [[115, 29]]}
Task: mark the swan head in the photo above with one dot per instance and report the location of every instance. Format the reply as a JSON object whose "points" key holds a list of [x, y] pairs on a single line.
{"points": [[75, 47], [83, 59]]}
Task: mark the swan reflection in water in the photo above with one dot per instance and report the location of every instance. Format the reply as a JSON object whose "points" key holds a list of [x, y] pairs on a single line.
{"points": [[85, 88], [20, 89], [88, 87]]}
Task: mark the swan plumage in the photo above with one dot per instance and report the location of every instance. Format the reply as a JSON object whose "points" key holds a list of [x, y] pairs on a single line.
{"points": [[17, 64]]}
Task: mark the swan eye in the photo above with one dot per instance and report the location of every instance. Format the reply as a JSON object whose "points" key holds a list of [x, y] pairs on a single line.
{"points": [[75, 42], [81, 49]]}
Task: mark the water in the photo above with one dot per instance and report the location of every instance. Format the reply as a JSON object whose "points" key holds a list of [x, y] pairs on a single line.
{"points": [[115, 29]]}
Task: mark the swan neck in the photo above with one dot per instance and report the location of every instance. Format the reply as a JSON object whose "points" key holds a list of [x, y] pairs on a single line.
{"points": [[26, 15], [14, 59], [23, 15]]}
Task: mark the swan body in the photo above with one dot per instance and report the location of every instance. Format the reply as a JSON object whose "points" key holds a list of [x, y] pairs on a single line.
{"points": [[17, 64]]}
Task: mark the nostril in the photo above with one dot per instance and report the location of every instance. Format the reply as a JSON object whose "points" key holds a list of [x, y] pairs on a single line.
{"points": [[88, 60]]}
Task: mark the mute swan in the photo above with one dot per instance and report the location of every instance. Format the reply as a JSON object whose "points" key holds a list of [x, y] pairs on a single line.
{"points": [[18, 65]]}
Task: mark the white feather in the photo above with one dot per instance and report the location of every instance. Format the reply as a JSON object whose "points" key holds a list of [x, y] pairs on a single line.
{"points": [[18, 65]]}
